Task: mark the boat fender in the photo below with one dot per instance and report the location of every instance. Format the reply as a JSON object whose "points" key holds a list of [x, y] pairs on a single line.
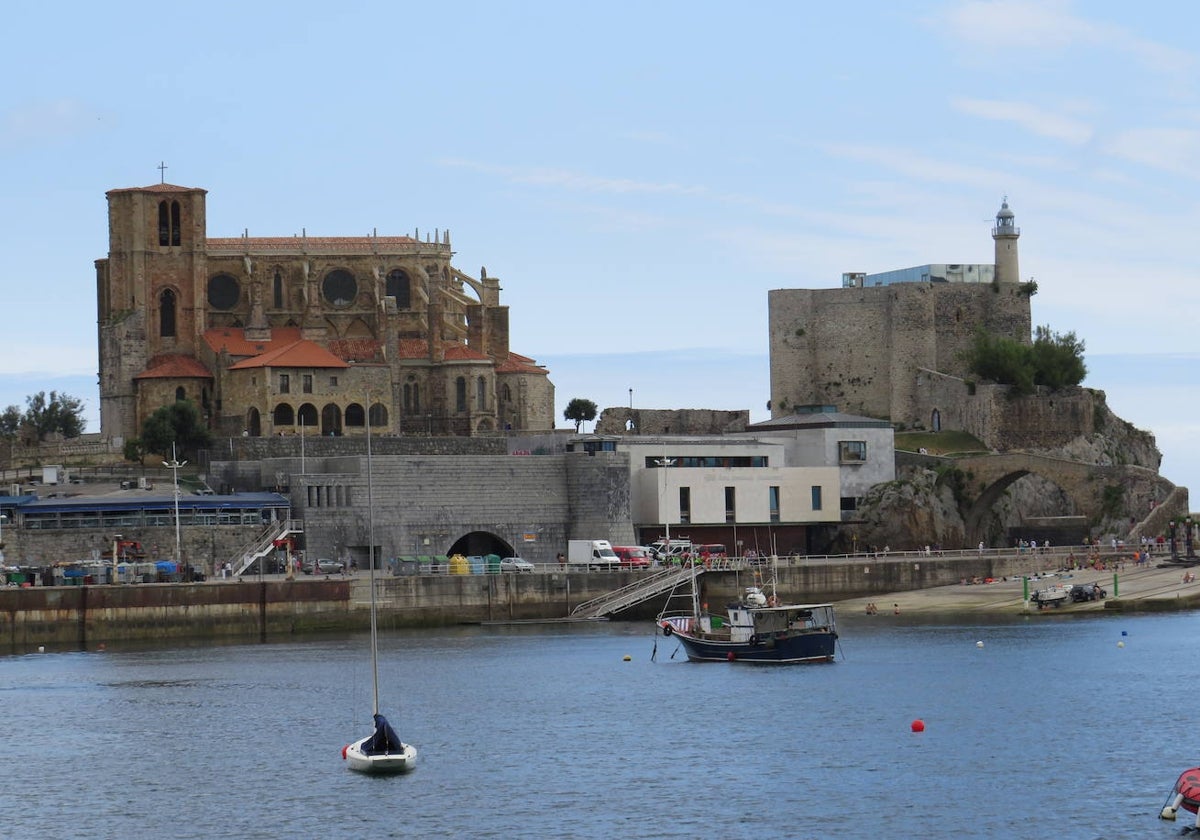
{"points": [[344, 751], [667, 630]]}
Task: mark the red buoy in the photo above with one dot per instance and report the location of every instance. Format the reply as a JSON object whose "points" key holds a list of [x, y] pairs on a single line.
{"points": [[344, 751], [918, 725], [731, 656]]}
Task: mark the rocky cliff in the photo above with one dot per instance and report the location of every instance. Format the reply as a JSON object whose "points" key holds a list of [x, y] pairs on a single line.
{"points": [[927, 504]]}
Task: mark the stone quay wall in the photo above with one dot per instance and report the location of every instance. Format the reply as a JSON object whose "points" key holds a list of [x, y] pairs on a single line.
{"points": [[87, 616]]}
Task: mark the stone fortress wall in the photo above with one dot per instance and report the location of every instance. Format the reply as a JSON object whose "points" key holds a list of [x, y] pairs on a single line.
{"points": [[858, 348]]}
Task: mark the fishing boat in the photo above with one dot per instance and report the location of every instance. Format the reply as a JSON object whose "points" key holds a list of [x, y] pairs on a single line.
{"points": [[1186, 795], [758, 627], [382, 751]]}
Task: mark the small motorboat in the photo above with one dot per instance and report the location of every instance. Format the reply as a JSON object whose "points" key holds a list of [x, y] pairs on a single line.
{"points": [[1185, 794]]}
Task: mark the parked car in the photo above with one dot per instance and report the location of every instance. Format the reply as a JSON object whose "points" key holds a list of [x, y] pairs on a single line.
{"points": [[515, 564], [632, 556], [1087, 592], [322, 566]]}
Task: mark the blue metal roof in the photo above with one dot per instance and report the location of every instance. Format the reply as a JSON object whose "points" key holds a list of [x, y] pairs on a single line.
{"points": [[148, 501]]}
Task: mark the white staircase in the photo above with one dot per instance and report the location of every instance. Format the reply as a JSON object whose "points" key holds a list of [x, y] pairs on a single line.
{"points": [[264, 543], [636, 593]]}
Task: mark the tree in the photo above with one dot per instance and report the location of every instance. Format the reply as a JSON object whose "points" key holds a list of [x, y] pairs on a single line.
{"points": [[177, 423], [60, 413], [579, 410], [1053, 360], [1058, 359], [10, 422]]}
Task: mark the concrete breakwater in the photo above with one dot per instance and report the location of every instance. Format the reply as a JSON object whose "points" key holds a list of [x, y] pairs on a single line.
{"points": [[90, 615]]}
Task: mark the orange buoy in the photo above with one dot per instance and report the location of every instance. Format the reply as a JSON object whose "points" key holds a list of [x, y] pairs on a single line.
{"points": [[918, 725], [344, 751]]}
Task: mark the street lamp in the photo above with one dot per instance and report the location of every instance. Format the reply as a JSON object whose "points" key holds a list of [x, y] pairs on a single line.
{"points": [[664, 461], [173, 465]]}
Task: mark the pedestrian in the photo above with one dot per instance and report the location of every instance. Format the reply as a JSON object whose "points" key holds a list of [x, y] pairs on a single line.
{"points": [[981, 548], [562, 561], [895, 609]]}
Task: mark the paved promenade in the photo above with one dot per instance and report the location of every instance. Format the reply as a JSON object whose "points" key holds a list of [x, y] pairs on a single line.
{"points": [[1142, 589]]}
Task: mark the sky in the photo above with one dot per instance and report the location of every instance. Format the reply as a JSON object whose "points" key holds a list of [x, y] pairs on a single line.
{"points": [[638, 175]]}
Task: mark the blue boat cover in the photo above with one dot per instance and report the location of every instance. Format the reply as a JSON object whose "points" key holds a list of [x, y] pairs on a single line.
{"points": [[384, 741]]}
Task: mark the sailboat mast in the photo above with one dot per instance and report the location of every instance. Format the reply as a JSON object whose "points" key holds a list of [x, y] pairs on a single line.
{"points": [[371, 567]]}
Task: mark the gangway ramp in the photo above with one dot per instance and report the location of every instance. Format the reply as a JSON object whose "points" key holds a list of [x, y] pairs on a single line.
{"points": [[635, 593]]}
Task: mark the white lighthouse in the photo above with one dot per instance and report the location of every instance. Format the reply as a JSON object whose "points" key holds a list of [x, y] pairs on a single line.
{"points": [[1006, 233]]}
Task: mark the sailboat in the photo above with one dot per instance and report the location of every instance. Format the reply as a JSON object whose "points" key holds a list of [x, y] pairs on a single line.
{"points": [[382, 751]]}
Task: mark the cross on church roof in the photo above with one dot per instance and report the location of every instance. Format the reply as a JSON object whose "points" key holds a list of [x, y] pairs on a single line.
{"points": [[162, 172]]}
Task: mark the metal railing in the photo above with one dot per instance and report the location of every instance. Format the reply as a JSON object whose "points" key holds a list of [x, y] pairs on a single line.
{"points": [[636, 592], [264, 543]]}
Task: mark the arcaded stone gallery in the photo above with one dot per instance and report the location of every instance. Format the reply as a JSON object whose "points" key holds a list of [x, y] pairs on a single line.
{"points": [[301, 334]]}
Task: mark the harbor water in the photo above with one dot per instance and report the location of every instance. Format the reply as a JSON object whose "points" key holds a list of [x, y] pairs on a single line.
{"points": [[1073, 726]]}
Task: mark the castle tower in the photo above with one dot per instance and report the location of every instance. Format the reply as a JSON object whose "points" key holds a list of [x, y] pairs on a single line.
{"points": [[1006, 233]]}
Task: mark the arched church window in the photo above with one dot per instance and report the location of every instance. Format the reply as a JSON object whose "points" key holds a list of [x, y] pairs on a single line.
{"points": [[223, 291], [398, 286], [164, 224], [506, 392], [278, 290], [166, 314], [460, 394], [180, 394], [176, 227], [480, 393], [339, 287]]}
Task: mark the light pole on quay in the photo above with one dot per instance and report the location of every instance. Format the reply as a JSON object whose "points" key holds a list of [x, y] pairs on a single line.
{"points": [[173, 465]]}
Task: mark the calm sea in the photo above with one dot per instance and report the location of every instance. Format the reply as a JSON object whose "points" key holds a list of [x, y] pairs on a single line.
{"points": [[1050, 729]]}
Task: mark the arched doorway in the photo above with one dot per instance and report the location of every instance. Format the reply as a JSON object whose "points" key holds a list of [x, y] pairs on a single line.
{"points": [[935, 421], [253, 423], [331, 421], [481, 543]]}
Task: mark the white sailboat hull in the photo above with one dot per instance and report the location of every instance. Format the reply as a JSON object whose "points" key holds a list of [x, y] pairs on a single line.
{"points": [[394, 762]]}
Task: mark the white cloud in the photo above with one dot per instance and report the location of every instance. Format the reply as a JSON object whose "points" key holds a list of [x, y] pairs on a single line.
{"points": [[1174, 150], [1051, 25], [1033, 119]]}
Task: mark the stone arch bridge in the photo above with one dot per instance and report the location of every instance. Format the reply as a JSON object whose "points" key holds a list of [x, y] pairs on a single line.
{"points": [[988, 476]]}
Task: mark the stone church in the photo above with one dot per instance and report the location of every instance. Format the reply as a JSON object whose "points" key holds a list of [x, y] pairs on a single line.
{"points": [[301, 335]]}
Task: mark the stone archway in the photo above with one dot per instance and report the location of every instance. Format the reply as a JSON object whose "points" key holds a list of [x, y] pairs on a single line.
{"points": [[481, 543], [331, 421]]}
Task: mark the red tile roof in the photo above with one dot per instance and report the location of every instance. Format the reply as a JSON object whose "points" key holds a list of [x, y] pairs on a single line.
{"points": [[463, 353], [312, 244], [413, 348], [298, 354], [355, 349], [516, 363], [157, 188], [174, 367], [233, 339]]}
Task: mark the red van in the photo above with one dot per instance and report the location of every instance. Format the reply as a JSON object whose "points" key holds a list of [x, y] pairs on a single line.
{"points": [[632, 556]]}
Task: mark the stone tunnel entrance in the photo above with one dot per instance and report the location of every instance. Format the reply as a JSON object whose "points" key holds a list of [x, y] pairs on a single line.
{"points": [[480, 544]]}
